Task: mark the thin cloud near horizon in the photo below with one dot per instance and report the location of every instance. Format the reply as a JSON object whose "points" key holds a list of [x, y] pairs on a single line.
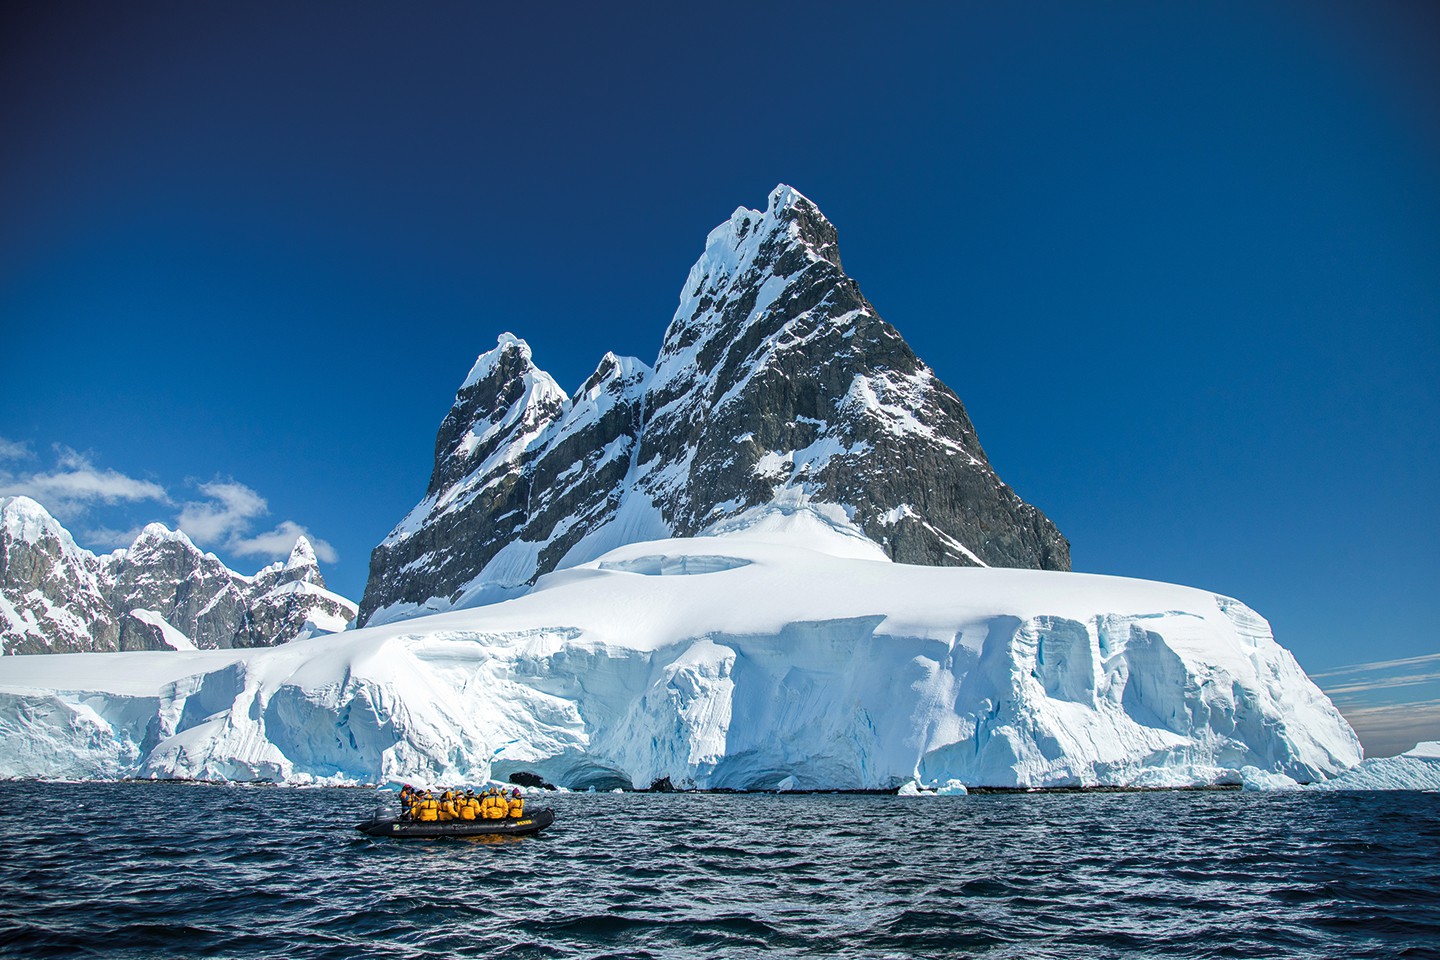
{"points": [[222, 518]]}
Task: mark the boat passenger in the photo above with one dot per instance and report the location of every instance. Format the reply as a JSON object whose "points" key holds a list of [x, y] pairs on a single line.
{"points": [[468, 806], [407, 797], [427, 808], [447, 806], [516, 805]]}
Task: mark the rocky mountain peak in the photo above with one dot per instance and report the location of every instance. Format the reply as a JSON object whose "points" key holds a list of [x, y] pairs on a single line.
{"points": [[156, 538], [300, 567], [503, 403], [612, 369], [25, 520], [777, 387], [748, 262], [302, 555]]}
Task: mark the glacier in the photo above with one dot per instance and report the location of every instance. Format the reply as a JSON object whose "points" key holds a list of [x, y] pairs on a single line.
{"points": [[783, 653], [1416, 769], [160, 593]]}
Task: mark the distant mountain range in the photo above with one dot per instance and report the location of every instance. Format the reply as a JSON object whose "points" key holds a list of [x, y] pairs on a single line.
{"points": [[162, 593], [777, 385]]}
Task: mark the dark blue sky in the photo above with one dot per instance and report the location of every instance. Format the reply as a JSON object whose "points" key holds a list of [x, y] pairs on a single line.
{"points": [[1181, 261]]}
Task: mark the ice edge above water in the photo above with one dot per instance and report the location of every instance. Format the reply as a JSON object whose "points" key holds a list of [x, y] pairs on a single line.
{"points": [[718, 662]]}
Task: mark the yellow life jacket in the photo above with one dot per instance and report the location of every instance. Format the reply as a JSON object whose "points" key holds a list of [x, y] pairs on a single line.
{"points": [[469, 808], [517, 807], [427, 810]]}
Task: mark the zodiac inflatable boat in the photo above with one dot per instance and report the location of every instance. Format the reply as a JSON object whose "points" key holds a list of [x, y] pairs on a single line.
{"points": [[532, 822]]}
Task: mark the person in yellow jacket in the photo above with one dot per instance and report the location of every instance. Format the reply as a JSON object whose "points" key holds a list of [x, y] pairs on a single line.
{"points": [[516, 804], [468, 805], [427, 808], [447, 806], [498, 808]]}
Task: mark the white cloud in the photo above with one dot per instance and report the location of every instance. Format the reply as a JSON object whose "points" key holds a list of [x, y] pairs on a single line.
{"points": [[108, 538], [277, 543], [1390, 703], [222, 518], [75, 484], [1394, 728], [225, 516], [1340, 690], [1379, 665]]}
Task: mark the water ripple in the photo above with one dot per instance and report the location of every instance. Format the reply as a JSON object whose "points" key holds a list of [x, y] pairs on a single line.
{"points": [[168, 870]]}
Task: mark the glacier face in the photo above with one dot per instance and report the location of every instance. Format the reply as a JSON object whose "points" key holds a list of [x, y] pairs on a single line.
{"points": [[782, 654], [775, 380]]}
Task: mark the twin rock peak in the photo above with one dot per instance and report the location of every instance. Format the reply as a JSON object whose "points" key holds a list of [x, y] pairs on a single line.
{"points": [[778, 390]]}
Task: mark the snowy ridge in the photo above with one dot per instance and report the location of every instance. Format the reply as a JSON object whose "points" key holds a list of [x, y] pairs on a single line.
{"points": [[731, 662]]}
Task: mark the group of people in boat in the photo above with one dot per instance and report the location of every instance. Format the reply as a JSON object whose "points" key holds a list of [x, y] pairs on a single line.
{"points": [[426, 807]]}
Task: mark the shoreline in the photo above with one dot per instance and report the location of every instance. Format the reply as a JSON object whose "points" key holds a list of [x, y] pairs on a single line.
{"points": [[718, 791]]}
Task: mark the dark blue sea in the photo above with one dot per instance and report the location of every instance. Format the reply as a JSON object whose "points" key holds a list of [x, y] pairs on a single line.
{"points": [[184, 870]]}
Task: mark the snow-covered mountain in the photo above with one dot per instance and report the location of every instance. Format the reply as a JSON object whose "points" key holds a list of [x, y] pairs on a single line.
{"points": [[777, 384], [790, 653], [162, 593]]}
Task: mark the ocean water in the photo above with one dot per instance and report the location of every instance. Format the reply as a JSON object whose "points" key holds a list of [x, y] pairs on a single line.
{"points": [[184, 870]]}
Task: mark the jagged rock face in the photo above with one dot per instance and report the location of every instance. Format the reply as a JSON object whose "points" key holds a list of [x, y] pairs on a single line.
{"points": [[521, 472], [195, 593], [777, 384], [778, 374], [51, 600], [162, 593]]}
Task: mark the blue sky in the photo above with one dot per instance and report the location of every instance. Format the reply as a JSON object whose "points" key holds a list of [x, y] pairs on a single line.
{"points": [[1181, 261]]}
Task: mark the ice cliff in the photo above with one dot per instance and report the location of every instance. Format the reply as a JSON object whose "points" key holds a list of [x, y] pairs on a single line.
{"points": [[792, 653]]}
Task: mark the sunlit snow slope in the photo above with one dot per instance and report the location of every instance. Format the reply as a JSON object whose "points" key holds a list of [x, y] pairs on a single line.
{"points": [[728, 661]]}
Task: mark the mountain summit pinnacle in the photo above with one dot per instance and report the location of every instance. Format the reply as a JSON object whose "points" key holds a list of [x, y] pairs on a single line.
{"points": [[778, 388]]}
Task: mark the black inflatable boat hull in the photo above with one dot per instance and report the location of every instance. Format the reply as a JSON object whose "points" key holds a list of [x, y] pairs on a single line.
{"points": [[532, 823]]}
